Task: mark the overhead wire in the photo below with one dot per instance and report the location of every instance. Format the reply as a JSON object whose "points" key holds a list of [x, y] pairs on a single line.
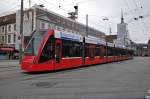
{"points": [[143, 24], [80, 2], [93, 22], [132, 12], [55, 6]]}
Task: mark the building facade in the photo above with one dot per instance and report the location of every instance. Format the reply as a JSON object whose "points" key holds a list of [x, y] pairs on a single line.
{"points": [[8, 30], [122, 33], [37, 18]]}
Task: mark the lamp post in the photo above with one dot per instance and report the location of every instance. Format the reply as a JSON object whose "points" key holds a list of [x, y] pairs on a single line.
{"points": [[104, 18], [21, 31], [87, 25]]}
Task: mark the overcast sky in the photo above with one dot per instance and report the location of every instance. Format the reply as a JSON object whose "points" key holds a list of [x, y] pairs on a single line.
{"points": [[139, 30]]}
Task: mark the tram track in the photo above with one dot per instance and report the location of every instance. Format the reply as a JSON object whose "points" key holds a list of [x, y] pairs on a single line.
{"points": [[21, 77], [5, 69], [1, 71], [14, 74], [10, 66]]}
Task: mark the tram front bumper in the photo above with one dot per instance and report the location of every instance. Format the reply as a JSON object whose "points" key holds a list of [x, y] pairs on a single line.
{"points": [[27, 63]]}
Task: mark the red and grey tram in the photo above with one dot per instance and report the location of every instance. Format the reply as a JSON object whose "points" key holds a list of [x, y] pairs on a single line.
{"points": [[50, 50]]}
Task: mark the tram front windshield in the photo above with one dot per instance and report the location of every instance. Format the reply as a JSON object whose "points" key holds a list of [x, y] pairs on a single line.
{"points": [[35, 42]]}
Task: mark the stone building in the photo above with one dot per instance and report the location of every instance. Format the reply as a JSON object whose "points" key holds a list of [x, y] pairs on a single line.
{"points": [[8, 29], [36, 18], [122, 33], [143, 49]]}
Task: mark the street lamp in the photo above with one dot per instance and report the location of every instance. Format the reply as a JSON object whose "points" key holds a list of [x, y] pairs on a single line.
{"points": [[104, 19]]}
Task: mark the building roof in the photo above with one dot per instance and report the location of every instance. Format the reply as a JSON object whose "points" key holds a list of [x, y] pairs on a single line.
{"points": [[57, 17], [8, 19]]}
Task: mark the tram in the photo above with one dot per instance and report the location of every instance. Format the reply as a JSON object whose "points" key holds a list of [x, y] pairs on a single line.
{"points": [[51, 50]]}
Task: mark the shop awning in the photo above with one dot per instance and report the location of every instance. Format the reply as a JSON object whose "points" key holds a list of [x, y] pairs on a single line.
{"points": [[7, 49]]}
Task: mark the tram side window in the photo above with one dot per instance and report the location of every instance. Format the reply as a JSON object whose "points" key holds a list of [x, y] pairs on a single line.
{"points": [[102, 51], [97, 53], [119, 52], [86, 50], [128, 54], [58, 53], [48, 51], [71, 49], [109, 51], [91, 52], [115, 52], [123, 52]]}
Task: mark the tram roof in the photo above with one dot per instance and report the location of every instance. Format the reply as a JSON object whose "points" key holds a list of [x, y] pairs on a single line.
{"points": [[78, 38]]}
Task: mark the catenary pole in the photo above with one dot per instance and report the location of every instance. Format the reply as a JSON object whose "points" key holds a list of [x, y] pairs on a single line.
{"points": [[21, 31]]}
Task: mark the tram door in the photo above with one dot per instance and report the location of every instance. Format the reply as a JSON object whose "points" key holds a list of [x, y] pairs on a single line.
{"points": [[58, 54]]}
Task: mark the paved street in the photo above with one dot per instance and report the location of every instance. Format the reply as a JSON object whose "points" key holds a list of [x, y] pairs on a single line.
{"points": [[121, 80]]}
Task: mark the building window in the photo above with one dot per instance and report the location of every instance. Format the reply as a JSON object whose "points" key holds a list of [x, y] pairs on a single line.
{"points": [[3, 38], [9, 38], [14, 27], [3, 29], [49, 26], [9, 28], [43, 25], [14, 38]]}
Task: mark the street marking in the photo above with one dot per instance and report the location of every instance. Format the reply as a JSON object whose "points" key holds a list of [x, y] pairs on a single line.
{"points": [[147, 97]]}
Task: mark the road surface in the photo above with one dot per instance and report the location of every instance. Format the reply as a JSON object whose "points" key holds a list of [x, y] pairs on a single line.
{"points": [[120, 80]]}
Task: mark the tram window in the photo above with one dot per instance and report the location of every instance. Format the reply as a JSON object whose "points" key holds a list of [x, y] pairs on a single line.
{"points": [[124, 52], [91, 52], [115, 52], [102, 51], [86, 50], [119, 52], [48, 51], [97, 53], [110, 51], [58, 53], [71, 49]]}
